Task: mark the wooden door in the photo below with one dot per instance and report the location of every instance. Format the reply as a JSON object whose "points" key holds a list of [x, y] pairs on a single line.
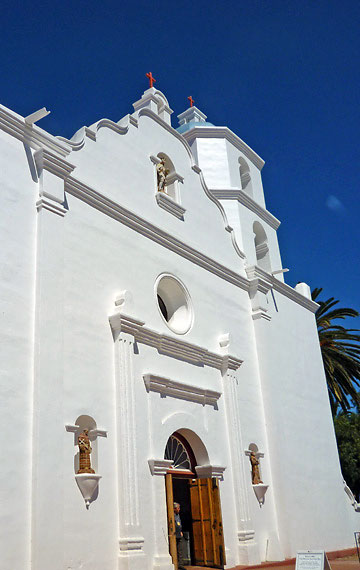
{"points": [[207, 526], [217, 525], [171, 519]]}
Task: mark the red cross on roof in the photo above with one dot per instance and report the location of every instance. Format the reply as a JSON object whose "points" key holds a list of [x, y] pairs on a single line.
{"points": [[191, 101], [152, 79]]}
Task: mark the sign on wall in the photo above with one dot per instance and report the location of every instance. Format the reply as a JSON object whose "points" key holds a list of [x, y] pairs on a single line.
{"points": [[311, 560]]}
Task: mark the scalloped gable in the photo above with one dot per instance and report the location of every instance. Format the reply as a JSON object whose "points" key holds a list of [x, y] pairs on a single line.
{"points": [[114, 159]]}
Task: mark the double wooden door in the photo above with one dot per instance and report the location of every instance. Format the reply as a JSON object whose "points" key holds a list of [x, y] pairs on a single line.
{"points": [[207, 530]]}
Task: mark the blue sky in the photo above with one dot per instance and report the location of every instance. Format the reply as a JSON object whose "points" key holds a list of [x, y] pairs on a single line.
{"points": [[282, 75]]}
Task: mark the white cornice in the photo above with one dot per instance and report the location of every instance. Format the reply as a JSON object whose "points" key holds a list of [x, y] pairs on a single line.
{"points": [[160, 466], [224, 132], [210, 471], [34, 136], [181, 390], [46, 160], [170, 346], [245, 200], [142, 226], [289, 292], [265, 281], [260, 280], [168, 204]]}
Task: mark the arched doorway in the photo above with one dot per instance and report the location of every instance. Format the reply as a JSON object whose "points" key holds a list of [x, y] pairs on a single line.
{"points": [[201, 542]]}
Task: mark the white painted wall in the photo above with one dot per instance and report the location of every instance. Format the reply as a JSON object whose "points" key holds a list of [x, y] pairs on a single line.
{"points": [[17, 236], [61, 361]]}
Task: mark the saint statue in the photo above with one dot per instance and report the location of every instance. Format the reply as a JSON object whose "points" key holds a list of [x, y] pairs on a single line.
{"points": [[84, 453], [162, 173], [255, 471]]}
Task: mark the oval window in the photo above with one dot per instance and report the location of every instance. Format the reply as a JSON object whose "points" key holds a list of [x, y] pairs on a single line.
{"points": [[174, 304]]}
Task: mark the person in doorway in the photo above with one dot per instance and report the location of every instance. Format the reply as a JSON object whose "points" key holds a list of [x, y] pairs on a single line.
{"points": [[179, 535]]}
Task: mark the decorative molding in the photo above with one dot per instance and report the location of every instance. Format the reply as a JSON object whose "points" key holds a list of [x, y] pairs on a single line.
{"points": [[195, 168], [123, 129], [51, 205], [144, 227], [37, 139], [174, 177], [260, 313], [206, 471], [72, 428], [257, 453], [224, 341], [260, 491], [160, 466], [78, 140], [224, 132], [93, 433], [260, 282], [34, 136], [245, 535], [266, 281], [155, 159], [46, 160], [292, 294], [169, 345], [98, 433], [167, 387], [87, 483], [168, 204], [126, 427], [131, 545], [246, 200]]}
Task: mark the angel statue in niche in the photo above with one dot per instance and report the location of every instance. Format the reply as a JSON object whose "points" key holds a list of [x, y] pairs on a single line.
{"points": [[84, 453], [162, 173], [255, 470]]}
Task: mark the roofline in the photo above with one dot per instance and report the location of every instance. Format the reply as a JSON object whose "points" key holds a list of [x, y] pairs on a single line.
{"points": [[224, 132]]}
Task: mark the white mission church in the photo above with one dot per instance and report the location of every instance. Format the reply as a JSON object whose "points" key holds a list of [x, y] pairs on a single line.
{"points": [[145, 318]]}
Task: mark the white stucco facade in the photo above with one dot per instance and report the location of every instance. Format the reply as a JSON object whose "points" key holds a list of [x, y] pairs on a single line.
{"points": [[86, 239]]}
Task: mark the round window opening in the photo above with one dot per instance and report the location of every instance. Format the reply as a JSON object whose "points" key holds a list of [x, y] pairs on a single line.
{"points": [[174, 304]]}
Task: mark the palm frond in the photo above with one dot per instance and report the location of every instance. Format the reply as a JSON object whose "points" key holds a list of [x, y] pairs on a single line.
{"points": [[340, 349]]}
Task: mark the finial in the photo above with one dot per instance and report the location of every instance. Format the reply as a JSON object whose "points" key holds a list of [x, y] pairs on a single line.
{"points": [[191, 101], [152, 80]]}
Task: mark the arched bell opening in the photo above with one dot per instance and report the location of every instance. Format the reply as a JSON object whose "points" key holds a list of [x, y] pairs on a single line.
{"points": [[261, 247]]}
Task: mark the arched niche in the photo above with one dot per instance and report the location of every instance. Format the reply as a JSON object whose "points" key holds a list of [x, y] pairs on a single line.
{"points": [[245, 176], [87, 422], [261, 247], [172, 178]]}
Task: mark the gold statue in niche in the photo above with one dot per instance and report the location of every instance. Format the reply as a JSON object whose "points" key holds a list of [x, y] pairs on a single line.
{"points": [[84, 453], [162, 173], [255, 470]]}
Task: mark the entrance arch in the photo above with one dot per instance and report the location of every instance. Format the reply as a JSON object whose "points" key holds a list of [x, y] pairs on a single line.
{"points": [[196, 538]]}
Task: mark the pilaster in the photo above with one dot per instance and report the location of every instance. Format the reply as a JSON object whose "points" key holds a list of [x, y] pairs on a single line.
{"points": [[248, 551], [162, 558], [48, 430], [131, 541]]}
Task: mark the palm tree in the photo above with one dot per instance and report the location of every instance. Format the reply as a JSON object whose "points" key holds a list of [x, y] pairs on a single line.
{"points": [[340, 349]]}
